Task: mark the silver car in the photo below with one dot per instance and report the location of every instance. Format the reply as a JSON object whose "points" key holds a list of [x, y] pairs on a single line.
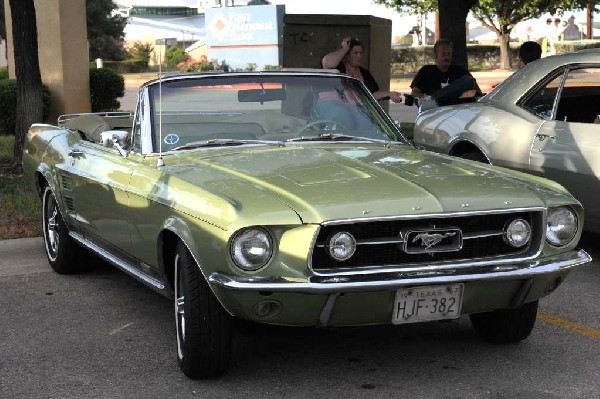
{"points": [[543, 119]]}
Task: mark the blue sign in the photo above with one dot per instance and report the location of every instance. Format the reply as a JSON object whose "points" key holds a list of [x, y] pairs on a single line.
{"points": [[245, 35]]}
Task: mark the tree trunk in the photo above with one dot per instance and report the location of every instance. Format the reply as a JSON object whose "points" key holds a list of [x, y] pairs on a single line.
{"points": [[29, 107], [453, 26], [589, 20], [503, 40]]}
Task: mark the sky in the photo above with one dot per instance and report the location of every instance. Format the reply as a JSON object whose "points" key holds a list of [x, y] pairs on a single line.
{"points": [[401, 23]]}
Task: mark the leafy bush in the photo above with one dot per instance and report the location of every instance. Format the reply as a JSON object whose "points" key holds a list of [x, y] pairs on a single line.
{"points": [[408, 59], [140, 51], [176, 55], [8, 104], [106, 86], [202, 65], [127, 66], [3, 73]]}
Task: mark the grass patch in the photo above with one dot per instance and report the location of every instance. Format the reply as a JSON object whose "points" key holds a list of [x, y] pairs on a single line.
{"points": [[21, 207], [407, 129]]}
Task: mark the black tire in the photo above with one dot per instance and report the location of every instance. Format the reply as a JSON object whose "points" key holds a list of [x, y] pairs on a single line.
{"points": [[61, 250], [204, 328], [506, 325], [474, 156]]}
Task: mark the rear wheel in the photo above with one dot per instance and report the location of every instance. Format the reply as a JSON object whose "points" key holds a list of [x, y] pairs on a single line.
{"points": [[506, 325], [60, 248], [204, 328], [474, 156]]}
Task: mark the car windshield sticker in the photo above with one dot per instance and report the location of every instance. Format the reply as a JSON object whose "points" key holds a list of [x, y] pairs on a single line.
{"points": [[171, 139]]}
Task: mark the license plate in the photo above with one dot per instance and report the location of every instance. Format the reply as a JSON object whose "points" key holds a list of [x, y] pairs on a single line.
{"points": [[426, 303]]}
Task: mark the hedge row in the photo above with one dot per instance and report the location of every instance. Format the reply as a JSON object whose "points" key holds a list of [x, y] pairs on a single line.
{"points": [[8, 102], [106, 86], [406, 60]]}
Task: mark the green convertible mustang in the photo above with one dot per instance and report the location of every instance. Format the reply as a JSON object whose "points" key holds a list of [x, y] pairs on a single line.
{"points": [[291, 198]]}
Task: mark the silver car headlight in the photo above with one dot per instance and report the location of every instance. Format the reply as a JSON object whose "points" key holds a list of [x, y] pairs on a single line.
{"points": [[561, 226], [517, 233], [251, 248], [342, 246]]}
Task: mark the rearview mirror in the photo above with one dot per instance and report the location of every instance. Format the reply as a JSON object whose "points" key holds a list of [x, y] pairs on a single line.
{"points": [[260, 95]]}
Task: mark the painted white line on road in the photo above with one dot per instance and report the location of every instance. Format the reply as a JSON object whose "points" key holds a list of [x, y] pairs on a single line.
{"points": [[119, 329]]}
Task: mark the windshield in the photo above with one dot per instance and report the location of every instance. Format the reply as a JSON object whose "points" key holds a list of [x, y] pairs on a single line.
{"points": [[247, 109]]}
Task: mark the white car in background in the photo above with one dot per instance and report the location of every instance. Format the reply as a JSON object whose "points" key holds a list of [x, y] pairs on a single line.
{"points": [[543, 119]]}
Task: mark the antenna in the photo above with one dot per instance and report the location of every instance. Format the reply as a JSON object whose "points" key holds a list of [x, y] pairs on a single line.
{"points": [[160, 162]]}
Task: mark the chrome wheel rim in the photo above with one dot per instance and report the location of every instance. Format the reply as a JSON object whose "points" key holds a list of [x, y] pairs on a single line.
{"points": [[179, 307], [51, 226]]}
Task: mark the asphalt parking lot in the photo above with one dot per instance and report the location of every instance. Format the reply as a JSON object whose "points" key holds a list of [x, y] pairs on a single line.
{"points": [[100, 334]]}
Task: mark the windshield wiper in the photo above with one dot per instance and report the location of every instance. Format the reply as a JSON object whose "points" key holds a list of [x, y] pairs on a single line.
{"points": [[225, 142], [336, 137]]}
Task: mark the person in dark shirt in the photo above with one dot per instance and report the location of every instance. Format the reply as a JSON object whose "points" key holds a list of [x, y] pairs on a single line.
{"points": [[443, 83], [347, 60], [345, 107], [528, 52]]}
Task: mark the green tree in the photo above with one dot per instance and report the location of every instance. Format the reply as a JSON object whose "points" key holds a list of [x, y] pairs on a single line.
{"points": [[501, 16], [452, 19], [2, 23], [590, 6], [29, 107], [140, 51], [105, 30], [176, 55]]}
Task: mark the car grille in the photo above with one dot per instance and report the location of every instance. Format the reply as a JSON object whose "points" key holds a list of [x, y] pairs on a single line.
{"points": [[383, 243]]}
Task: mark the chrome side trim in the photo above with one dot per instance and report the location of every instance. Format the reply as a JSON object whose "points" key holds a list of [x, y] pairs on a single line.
{"points": [[118, 262], [391, 281]]}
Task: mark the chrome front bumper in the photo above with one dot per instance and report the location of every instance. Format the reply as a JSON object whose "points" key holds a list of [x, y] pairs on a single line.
{"points": [[394, 280]]}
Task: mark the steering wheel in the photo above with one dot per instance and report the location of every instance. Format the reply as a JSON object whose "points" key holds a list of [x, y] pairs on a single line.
{"points": [[326, 125]]}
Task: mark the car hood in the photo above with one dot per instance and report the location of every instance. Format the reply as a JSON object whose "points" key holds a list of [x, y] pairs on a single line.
{"points": [[329, 182]]}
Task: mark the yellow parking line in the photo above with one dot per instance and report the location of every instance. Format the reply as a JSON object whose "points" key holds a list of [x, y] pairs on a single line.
{"points": [[569, 325]]}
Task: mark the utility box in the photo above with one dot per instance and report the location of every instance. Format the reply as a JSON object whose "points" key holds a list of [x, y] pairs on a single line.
{"points": [[307, 38]]}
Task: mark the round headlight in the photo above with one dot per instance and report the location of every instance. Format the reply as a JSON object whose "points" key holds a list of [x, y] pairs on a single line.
{"points": [[518, 233], [561, 226], [251, 249], [342, 246]]}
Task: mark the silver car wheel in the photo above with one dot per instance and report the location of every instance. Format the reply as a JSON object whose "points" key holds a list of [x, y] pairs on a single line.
{"points": [[51, 226], [63, 254], [179, 308], [204, 328]]}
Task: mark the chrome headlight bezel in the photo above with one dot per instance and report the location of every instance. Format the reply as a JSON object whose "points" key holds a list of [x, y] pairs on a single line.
{"points": [[517, 233], [251, 248], [341, 246], [561, 226]]}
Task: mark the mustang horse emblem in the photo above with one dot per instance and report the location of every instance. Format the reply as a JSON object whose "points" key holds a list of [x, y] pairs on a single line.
{"points": [[429, 240]]}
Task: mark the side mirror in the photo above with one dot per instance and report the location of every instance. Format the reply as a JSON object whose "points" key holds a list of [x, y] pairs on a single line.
{"points": [[111, 137], [115, 138]]}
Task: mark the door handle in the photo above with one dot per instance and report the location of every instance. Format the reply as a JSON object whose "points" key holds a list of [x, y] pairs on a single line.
{"points": [[75, 154], [542, 137]]}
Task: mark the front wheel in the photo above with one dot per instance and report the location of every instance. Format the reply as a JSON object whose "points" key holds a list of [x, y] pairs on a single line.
{"points": [[506, 325], [60, 248], [204, 328]]}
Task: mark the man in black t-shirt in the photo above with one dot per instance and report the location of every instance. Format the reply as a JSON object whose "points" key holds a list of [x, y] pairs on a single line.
{"points": [[443, 83]]}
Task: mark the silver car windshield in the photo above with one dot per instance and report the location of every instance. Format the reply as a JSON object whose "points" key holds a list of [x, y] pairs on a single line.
{"points": [[255, 109]]}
